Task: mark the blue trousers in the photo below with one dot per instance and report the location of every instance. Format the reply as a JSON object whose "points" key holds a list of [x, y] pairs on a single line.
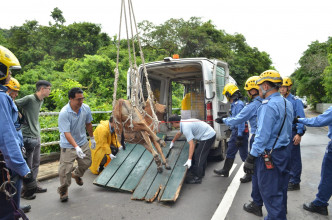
{"points": [[296, 162], [273, 183], [325, 185], [6, 208], [255, 194], [233, 149]]}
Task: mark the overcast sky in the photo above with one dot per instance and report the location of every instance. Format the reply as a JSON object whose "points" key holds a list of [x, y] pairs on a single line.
{"points": [[282, 28]]}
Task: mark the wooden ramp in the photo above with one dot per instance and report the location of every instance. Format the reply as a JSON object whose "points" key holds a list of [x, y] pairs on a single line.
{"points": [[133, 170]]}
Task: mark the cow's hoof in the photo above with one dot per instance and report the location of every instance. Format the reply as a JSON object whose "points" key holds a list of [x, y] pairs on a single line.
{"points": [[159, 169], [162, 143], [168, 167]]}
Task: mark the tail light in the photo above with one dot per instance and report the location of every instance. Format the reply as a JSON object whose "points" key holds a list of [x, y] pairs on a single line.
{"points": [[209, 115]]}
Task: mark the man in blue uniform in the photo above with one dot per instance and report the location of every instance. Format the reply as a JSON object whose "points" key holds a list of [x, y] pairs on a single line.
{"points": [[10, 153], [319, 205], [269, 157], [240, 135], [249, 112], [297, 132]]}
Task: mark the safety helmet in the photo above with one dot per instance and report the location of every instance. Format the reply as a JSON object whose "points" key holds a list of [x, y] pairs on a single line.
{"points": [[229, 90], [14, 84], [251, 83], [7, 61], [271, 76], [286, 81]]}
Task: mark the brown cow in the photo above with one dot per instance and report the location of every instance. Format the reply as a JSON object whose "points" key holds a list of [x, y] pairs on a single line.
{"points": [[139, 129]]}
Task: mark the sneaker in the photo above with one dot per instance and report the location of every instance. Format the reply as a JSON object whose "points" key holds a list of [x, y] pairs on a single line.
{"points": [[253, 208], [40, 189], [25, 208], [194, 180], [63, 191], [311, 207], [78, 179], [293, 186]]}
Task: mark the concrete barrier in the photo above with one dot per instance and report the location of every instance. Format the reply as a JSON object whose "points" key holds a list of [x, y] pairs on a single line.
{"points": [[321, 107]]}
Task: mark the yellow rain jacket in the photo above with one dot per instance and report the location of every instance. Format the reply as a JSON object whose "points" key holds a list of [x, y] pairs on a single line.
{"points": [[104, 139]]}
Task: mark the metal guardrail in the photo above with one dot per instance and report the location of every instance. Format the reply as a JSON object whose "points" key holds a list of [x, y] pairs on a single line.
{"points": [[56, 128]]}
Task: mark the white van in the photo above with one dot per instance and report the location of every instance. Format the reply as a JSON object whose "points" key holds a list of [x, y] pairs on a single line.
{"points": [[203, 81]]}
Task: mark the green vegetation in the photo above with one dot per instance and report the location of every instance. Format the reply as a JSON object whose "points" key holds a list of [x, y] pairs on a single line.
{"points": [[314, 76], [79, 54]]}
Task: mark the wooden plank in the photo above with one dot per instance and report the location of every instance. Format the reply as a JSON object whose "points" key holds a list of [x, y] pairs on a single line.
{"points": [[137, 173], [113, 166], [174, 184], [149, 176], [162, 178], [126, 167], [145, 183]]}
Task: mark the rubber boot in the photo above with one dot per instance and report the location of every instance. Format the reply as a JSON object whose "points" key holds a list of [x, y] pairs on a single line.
{"points": [[225, 170], [246, 178]]}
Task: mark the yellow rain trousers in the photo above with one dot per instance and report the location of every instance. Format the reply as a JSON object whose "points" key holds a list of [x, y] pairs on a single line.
{"points": [[104, 139]]}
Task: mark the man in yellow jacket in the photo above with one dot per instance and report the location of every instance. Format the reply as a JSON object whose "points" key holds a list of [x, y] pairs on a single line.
{"points": [[107, 145]]}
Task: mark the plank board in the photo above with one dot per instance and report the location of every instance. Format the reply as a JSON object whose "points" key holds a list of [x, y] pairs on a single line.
{"points": [[126, 167], [162, 178], [134, 170], [105, 176], [174, 185]]}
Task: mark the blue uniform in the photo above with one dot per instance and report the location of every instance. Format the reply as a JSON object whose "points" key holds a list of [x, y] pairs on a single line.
{"points": [[273, 183], [238, 129], [325, 185], [296, 163], [9, 147]]}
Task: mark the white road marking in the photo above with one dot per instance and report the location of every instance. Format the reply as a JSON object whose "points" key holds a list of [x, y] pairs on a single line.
{"points": [[227, 200]]}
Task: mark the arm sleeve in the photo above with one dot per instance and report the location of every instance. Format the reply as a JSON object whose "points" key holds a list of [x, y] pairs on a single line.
{"points": [[63, 123], [299, 111], [241, 126], [22, 102], [244, 115], [9, 145], [324, 119], [187, 132]]}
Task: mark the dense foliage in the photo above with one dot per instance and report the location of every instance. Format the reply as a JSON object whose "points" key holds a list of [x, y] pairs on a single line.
{"points": [[313, 78], [79, 54]]}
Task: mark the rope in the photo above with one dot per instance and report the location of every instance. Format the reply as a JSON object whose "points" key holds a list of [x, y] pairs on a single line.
{"points": [[137, 99]]}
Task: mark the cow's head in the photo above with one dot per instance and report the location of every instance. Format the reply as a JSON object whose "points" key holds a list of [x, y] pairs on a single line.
{"points": [[160, 109]]}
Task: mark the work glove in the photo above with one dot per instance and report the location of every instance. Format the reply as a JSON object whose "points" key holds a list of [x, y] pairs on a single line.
{"points": [[79, 152], [93, 143], [296, 120], [188, 163], [171, 145], [30, 184], [120, 148], [239, 141], [249, 164], [112, 156]]}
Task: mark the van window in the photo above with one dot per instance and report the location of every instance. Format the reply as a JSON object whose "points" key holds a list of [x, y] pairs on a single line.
{"points": [[220, 76]]}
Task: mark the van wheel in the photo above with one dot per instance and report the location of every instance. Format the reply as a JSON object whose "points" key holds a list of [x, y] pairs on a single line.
{"points": [[219, 153]]}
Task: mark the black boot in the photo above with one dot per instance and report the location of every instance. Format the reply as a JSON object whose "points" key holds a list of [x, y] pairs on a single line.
{"points": [[225, 170], [293, 186], [253, 208], [246, 178], [311, 207], [25, 208]]}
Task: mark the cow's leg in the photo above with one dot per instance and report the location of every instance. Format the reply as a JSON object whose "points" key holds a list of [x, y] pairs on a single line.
{"points": [[148, 146], [139, 126], [158, 148]]}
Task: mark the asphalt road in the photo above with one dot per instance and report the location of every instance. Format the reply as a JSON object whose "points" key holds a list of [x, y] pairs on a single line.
{"points": [[196, 202]]}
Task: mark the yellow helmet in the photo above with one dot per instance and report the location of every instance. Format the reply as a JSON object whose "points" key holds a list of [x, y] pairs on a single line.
{"points": [[14, 84], [7, 61], [269, 75], [286, 81], [251, 83], [229, 90]]}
